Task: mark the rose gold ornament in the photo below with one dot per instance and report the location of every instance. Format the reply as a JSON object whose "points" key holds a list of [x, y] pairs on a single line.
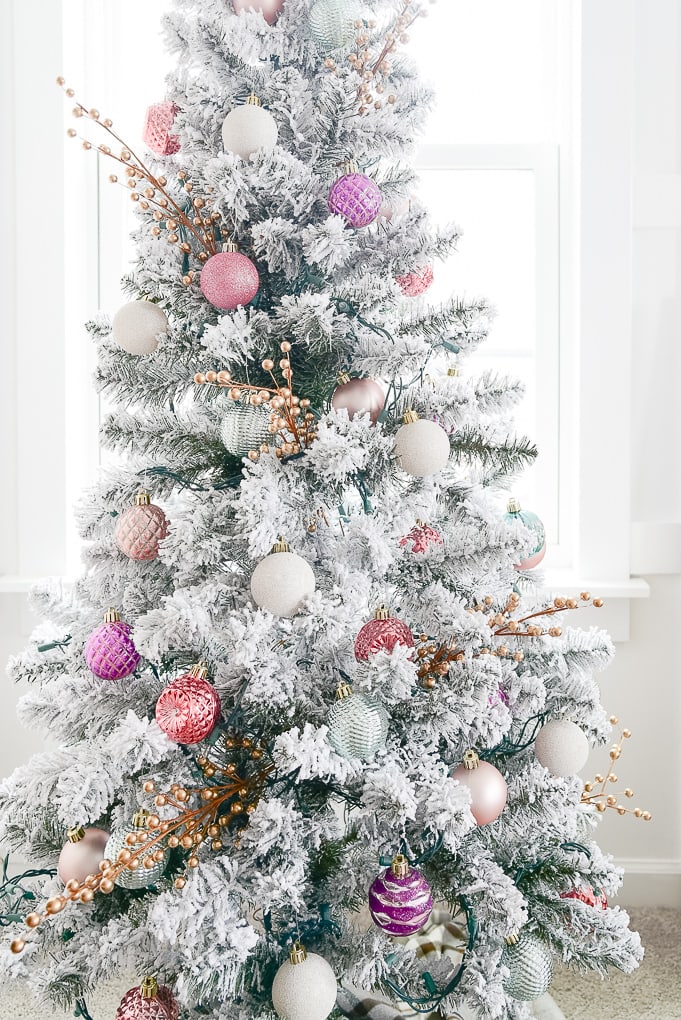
{"points": [[270, 9], [157, 131], [415, 283], [140, 528], [189, 707], [487, 785], [382, 634], [358, 396], [148, 1002], [81, 854], [421, 537]]}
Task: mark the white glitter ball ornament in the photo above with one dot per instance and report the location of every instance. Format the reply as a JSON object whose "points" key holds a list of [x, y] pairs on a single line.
{"points": [[530, 964], [421, 446], [332, 23], [304, 987], [358, 724], [138, 325], [248, 128], [561, 747], [245, 428], [282, 581]]}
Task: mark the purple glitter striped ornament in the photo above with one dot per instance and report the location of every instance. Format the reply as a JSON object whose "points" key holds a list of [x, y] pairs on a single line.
{"points": [[109, 651], [400, 900], [355, 197]]}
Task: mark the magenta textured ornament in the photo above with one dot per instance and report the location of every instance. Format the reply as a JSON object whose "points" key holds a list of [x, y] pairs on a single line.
{"points": [[148, 1002], [400, 900], [81, 854], [357, 396], [421, 537], [109, 651], [157, 133], [487, 785], [355, 197], [189, 707], [229, 279], [382, 634], [585, 894], [415, 283], [140, 528], [270, 9]]}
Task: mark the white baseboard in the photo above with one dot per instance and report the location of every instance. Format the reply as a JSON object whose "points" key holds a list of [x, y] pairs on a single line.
{"points": [[650, 882]]}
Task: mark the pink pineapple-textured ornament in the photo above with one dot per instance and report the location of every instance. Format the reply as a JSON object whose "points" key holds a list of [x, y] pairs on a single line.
{"points": [[355, 197], [157, 132], [109, 651], [189, 707], [415, 283], [81, 854], [148, 1001], [400, 900], [229, 279], [358, 396], [382, 634], [421, 537], [140, 528], [270, 9], [487, 785]]}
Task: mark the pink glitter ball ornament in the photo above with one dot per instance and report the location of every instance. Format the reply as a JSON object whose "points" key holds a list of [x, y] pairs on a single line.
{"points": [[189, 707], [421, 536], [229, 279], [415, 283], [585, 894], [81, 854], [140, 528], [355, 197], [268, 8], [109, 651], [158, 121], [382, 634], [357, 396], [148, 1001], [487, 785], [400, 900]]}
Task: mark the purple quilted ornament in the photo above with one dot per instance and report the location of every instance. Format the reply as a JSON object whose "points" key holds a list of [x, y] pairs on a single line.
{"points": [[400, 899], [355, 197], [109, 651]]}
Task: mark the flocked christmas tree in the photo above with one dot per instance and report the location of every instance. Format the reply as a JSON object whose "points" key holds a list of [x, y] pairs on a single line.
{"points": [[321, 750]]}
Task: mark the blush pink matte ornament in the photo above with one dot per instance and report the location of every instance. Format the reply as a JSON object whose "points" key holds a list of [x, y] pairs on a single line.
{"points": [[357, 396], [189, 707], [109, 651], [381, 635], [81, 854], [487, 785], [140, 528], [400, 900], [355, 197], [229, 279], [415, 283], [585, 894], [421, 537], [270, 9], [148, 1002], [156, 133]]}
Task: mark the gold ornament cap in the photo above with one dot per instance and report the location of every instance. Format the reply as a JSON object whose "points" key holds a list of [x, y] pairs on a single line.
{"points": [[139, 819], [253, 100], [513, 506], [470, 760], [513, 939], [350, 166], [343, 378], [111, 616], [453, 370], [410, 416], [199, 671], [343, 691], [230, 246], [382, 612], [149, 987], [281, 545], [400, 866], [76, 834], [142, 499], [298, 953]]}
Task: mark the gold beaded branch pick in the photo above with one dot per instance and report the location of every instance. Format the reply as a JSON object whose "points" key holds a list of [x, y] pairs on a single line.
{"points": [[596, 792]]}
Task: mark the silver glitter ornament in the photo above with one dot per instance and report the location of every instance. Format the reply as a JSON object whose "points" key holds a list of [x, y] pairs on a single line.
{"points": [[530, 964], [245, 428], [140, 877], [358, 724], [332, 23]]}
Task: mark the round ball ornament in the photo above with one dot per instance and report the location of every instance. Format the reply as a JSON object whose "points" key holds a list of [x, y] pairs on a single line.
{"points": [[137, 326], [358, 724], [421, 446], [229, 279], [248, 129], [157, 132], [381, 635], [486, 784], [282, 581], [148, 1001], [244, 428], [400, 900], [304, 987], [81, 854], [530, 966], [189, 707], [140, 528], [270, 9], [358, 396], [355, 197], [332, 24], [139, 876], [531, 521], [585, 894], [421, 538], [561, 747], [417, 282], [109, 651]]}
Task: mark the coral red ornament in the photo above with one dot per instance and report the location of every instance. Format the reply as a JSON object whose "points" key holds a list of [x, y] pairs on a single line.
{"points": [[148, 1002], [381, 635], [81, 854], [487, 785], [189, 707], [355, 197], [140, 528], [270, 9], [358, 396], [157, 132], [415, 283], [585, 894], [421, 537], [229, 279], [109, 651]]}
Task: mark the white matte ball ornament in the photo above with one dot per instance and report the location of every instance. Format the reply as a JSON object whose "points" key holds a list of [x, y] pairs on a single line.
{"points": [[421, 446], [249, 128], [304, 987], [282, 581], [137, 325], [561, 747]]}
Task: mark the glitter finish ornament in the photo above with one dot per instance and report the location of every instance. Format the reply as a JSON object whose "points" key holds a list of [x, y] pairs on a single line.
{"points": [[282, 581], [304, 987], [81, 854], [245, 428], [421, 446], [140, 528], [358, 396], [148, 1001], [229, 279], [415, 283], [561, 747], [400, 900], [355, 197], [530, 966], [109, 651], [531, 521], [157, 131], [585, 894], [140, 876], [332, 24], [270, 9], [358, 724], [421, 537], [248, 129], [137, 326], [487, 785], [189, 707], [381, 635]]}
